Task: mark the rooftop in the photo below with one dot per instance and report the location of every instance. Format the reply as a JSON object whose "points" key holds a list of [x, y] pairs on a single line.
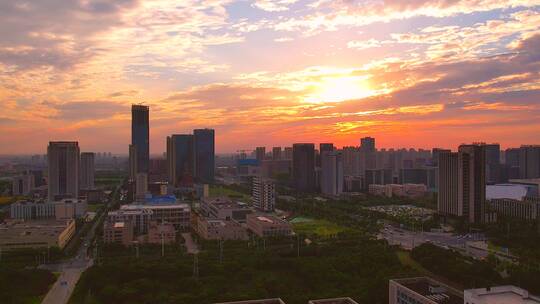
{"points": [[432, 290], [511, 191], [502, 295]]}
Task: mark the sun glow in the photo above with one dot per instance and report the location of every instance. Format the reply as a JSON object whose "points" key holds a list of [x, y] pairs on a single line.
{"points": [[336, 89]]}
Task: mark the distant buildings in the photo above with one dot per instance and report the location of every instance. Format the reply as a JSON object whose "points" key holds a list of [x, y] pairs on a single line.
{"points": [[87, 171], [332, 172], [140, 137], [264, 194], [276, 153], [40, 210], [23, 184], [224, 208], [529, 161], [204, 149], [304, 167], [218, 229], [63, 177], [398, 190], [260, 153]]}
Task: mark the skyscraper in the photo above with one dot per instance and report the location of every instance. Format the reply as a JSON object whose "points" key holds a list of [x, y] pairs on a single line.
{"points": [[493, 163], [472, 181], [367, 144], [368, 153], [462, 183], [63, 160], [304, 167], [87, 171], [323, 147], [132, 162], [204, 151], [529, 162], [180, 160], [332, 173], [140, 136], [447, 198]]}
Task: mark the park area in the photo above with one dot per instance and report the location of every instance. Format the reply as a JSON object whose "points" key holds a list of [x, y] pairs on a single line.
{"points": [[310, 227]]}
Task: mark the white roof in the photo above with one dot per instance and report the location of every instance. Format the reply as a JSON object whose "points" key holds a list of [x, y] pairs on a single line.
{"points": [[501, 295], [511, 191]]}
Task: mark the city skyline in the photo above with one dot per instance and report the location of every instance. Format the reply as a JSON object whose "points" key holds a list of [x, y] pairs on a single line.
{"points": [[424, 74]]}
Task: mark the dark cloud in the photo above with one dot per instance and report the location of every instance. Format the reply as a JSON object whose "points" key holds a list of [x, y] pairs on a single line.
{"points": [[88, 110]]}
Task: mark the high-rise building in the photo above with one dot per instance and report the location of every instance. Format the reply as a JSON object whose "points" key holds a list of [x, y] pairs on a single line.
{"points": [[447, 198], [264, 194], [204, 151], [141, 185], [140, 136], [435, 152], [332, 173], [529, 161], [260, 153], [276, 153], [493, 163], [180, 159], [462, 183], [511, 157], [132, 162], [369, 153], [323, 147], [63, 160], [288, 153], [304, 167], [87, 171], [367, 144]]}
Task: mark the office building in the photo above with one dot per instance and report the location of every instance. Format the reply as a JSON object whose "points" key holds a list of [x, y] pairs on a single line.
{"points": [[141, 186], [264, 194], [526, 209], [22, 184], [180, 158], [276, 153], [118, 232], [260, 153], [63, 177], [499, 294], [332, 173], [32, 210], [422, 290], [288, 153], [217, 229], [304, 167], [87, 171], [323, 147], [140, 136], [447, 198], [493, 163], [36, 234], [368, 153], [268, 225], [472, 181], [141, 214], [138, 218], [529, 162], [435, 152], [204, 151]]}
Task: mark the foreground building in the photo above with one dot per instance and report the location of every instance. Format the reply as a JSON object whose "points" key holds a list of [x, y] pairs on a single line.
{"points": [[36, 234], [422, 290], [500, 294], [264, 194]]}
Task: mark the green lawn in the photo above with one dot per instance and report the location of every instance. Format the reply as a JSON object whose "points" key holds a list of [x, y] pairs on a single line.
{"points": [[321, 228], [216, 191]]}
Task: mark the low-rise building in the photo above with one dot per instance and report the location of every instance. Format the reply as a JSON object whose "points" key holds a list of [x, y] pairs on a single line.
{"points": [[175, 214], [268, 225], [527, 209], [118, 232], [422, 290], [60, 210], [70, 208], [216, 229], [36, 234], [265, 301], [161, 233], [139, 218], [499, 295], [224, 208]]}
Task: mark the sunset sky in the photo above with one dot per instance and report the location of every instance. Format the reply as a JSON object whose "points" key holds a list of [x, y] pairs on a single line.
{"points": [[415, 73]]}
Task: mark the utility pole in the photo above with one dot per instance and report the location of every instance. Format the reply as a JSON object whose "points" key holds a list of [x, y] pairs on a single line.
{"points": [[196, 266]]}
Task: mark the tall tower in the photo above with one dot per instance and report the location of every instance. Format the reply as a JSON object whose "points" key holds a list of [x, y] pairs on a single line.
{"points": [[332, 173], [140, 136], [87, 171], [63, 160], [472, 181], [204, 151], [304, 167], [132, 162], [180, 160], [447, 198]]}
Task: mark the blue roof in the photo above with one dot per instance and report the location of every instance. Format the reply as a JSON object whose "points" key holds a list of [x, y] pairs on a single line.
{"points": [[161, 200]]}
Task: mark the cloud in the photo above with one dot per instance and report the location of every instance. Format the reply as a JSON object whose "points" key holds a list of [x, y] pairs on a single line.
{"points": [[273, 5]]}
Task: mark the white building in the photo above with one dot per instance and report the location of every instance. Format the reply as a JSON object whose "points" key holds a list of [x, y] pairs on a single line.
{"points": [[264, 194], [499, 295]]}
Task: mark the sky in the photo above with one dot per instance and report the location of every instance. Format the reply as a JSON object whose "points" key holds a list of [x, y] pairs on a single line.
{"points": [[411, 73]]}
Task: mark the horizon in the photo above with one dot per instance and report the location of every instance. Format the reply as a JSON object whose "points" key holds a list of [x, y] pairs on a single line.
{"points": [[270, 72]]}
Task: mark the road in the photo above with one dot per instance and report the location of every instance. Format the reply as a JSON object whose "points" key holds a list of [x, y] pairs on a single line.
{"points": [[72, 269]]}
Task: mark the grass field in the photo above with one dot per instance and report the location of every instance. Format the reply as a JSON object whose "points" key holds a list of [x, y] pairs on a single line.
{"points": [[322, 228], [216, 191]]}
